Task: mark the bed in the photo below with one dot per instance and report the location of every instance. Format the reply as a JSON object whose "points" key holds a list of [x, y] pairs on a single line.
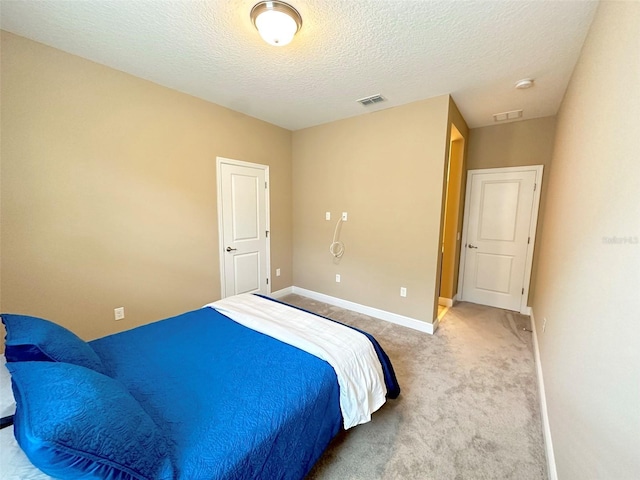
{"points": [[196, 396]]}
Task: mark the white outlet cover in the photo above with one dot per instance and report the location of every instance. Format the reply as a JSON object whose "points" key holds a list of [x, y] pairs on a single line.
{"points": [[344, 216], [337, 278], [327, 216], [403, 292], [277, 272]]}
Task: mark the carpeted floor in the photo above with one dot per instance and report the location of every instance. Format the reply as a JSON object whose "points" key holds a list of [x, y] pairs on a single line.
{"points": [[468, 408]]}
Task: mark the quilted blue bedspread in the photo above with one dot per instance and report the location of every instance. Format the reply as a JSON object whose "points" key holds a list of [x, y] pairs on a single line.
{"points": [[235, 404]]}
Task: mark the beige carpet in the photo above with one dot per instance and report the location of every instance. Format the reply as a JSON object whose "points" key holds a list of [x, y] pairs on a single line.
{"points": [[468, 408]]}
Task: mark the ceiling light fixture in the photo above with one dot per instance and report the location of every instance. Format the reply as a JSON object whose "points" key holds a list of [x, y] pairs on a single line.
{"points": [[524, 83], [277, 22]]}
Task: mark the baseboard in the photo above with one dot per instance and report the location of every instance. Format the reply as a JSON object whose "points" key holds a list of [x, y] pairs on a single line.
{"points": [[445, 302], [546, 428], [371, 311], [281, 293], [526, 311], [435, 325]]}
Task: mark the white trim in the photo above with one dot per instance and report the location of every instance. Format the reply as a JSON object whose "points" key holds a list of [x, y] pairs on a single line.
{"points": [[463, 245], [281, 293], [532, 235], [433, 326], [532, 227], [240, 163], [546, 427], [526, 311], [371, 311], [445, 302]]}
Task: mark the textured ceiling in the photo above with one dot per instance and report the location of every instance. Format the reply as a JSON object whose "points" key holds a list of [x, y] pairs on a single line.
{"points": [[347, 49]]}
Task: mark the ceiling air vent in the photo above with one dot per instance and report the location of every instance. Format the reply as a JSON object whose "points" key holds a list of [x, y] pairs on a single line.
{"points": [[512, 115], [366, 101]]}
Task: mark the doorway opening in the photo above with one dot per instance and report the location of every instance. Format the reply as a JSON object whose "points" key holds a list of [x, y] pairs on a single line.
{"points": [[452, 224], [243, 226], [500, 219]]}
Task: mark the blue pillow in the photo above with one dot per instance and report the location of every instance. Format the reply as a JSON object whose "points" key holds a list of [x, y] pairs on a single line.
{"points": [[32, 339], [75, 423]]}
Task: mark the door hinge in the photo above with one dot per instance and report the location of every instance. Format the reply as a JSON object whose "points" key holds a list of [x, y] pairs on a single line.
{"points": [[528, 240], [267, 281], [267, 233], [522, 290], [535, 185], [265, 185]]}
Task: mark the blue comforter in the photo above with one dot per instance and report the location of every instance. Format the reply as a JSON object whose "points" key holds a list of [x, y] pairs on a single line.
{"points": [[235, 403]]}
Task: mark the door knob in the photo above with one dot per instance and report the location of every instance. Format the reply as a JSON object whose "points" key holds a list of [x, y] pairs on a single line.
{"points": [[229, 249], [472, 246]]}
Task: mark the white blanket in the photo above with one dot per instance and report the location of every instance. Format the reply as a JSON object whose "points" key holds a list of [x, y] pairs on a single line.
{"points": [[14, 464], [350, 353]]}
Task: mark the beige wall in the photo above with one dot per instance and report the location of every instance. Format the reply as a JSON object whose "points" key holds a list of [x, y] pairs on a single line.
{"points": [[109, 191], [516, 144], [386, 170], [587, 288]]}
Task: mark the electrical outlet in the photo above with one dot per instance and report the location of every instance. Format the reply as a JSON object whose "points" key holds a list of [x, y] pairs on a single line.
{"points": [[544, 324], [344, 216], [403, 291], [118, 313], [337, 278], [277, 272], [327, 216]]}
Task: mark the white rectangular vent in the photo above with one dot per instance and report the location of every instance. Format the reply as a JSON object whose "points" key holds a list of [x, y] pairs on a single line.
{"points": [[512, 115], [366, 101]]}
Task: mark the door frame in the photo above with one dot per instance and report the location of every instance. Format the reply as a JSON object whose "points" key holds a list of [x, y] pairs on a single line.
{"points": [[524, 308], [230, 161]]}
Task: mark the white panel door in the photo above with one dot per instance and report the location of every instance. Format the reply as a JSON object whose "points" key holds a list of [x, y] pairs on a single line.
{"points": [[500, 207], [243, 195]]}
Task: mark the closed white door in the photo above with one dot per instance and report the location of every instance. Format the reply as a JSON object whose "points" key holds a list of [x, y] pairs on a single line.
{"points": [[499, 232], [243, 210]]}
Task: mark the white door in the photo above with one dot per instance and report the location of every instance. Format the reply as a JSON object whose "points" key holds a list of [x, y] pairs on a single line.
{"points": [[500, 218], [243, 199]]}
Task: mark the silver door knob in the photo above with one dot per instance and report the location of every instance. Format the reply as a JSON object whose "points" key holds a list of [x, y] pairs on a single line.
{"points": [[229, 249], [472, 246]]}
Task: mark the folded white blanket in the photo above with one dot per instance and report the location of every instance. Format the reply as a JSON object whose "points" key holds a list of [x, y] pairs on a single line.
{"points": [[350, 353]]}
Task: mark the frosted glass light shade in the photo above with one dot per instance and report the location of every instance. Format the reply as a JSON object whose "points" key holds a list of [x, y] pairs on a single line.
{"points": [[277, 22]]}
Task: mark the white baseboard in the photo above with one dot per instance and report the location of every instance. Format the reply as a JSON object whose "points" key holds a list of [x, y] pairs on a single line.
{"points": [[526, 311], [371, 311], [281, 293], [546, 428], [445, 302]]}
